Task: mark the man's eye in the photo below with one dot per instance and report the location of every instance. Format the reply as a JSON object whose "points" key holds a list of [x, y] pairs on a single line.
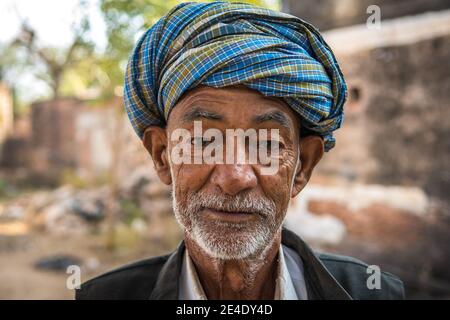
{"points": [[200, 141], [268, 144]]}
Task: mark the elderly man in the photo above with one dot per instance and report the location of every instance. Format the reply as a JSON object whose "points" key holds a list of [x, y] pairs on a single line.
{"points": [[230, 67]]}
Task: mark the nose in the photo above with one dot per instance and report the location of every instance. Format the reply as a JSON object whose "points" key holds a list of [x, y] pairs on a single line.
{"points": [[234, 178]]}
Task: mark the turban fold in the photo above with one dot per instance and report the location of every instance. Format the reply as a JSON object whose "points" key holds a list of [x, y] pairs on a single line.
{"points": [[222, 44]]}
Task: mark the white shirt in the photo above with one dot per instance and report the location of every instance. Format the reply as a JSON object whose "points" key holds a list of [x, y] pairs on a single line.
{"points": [[289, 285]]}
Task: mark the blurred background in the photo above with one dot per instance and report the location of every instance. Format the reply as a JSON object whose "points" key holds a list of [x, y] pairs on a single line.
{"points": [[77, 187]]}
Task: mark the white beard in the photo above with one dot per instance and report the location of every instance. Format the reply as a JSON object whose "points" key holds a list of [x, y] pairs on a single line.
{"points": [[225, 240]]}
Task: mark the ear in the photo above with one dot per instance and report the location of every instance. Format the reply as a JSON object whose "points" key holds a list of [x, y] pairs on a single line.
{"points": [[311, 151], [155, 141]]}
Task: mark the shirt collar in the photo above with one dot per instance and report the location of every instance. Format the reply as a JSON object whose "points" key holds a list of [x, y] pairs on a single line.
{"points": [[318, 283], [191, 288]]}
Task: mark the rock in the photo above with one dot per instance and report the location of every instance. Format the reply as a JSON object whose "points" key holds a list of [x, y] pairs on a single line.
{"points": [[60, 220], [57, 262], [320, 230], [13, 212], [132, 185], [88, 209], [92, 264], [41, 200], [155, 189], [139, 226], [360, 196], [158, 206], [325, 214]]}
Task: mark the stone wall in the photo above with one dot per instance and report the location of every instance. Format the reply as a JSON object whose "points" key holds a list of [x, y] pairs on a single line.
{"points": [[53, 134], [69, 135], [395, 130]]}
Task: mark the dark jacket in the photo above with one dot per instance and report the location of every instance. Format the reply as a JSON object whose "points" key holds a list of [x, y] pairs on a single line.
{"points": [[327, 277]]}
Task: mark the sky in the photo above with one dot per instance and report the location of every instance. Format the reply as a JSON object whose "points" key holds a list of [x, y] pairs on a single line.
{"points": [[52, 20]]}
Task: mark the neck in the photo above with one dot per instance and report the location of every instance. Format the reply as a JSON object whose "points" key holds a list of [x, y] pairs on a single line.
{"points": [[250, 278]]}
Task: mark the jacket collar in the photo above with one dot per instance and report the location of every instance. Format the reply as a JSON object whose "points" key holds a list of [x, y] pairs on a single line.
{"points": [[166, 287], [321, 285]]}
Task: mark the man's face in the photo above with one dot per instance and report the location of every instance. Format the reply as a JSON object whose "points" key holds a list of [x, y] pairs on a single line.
{"points": [[233, 210]]}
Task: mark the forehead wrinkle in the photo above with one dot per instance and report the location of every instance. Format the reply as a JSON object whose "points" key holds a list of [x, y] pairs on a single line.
{"points": [[189, 101], [203, 94], [201, 97]]}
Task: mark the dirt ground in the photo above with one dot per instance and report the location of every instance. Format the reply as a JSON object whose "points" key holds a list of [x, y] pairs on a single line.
{"points": [[20, 279]]}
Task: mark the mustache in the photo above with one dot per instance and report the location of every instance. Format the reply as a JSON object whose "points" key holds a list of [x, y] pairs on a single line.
{"points": [[247, 203]]}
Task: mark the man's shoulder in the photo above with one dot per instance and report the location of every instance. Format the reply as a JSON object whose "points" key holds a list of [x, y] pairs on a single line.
{"points": [[360, 280], [137, 280], [132, 281]]}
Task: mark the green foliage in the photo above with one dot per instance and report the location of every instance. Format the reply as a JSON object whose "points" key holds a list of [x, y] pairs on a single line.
{"points": [[131, 211], [69, 177], [3, 188], [81, 70], [125, 20]]}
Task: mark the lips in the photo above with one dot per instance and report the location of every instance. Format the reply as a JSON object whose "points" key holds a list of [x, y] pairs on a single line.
{"points": [[228, 216]]}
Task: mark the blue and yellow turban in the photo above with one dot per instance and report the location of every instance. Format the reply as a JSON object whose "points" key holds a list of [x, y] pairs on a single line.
{"points": [[221, 44]]}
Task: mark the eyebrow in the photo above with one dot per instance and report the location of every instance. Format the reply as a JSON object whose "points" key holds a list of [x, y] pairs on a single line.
{"points": [[276, 116], [199, 113]]}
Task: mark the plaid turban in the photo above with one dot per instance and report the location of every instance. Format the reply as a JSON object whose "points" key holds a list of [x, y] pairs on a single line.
{"points": [[221, 44]]}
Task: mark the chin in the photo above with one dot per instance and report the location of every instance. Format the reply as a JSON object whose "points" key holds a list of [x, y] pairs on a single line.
{"points": [[231, 241]]}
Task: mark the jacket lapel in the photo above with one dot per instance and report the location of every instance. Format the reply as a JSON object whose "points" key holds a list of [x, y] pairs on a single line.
{"points": [[166, 287], [320, 283]]}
